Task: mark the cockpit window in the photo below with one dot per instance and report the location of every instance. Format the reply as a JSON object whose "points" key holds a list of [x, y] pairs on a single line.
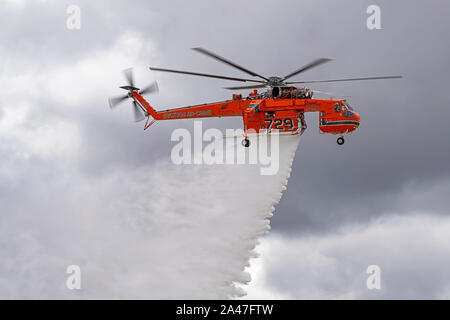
{"points": [[349, 114], [337, 107], [346, 105]]}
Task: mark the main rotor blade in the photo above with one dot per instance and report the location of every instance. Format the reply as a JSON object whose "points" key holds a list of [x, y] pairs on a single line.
{"points": [[129, 76], [313, 64], [350, 79], [204, 75], [247, 87], [214, 56], [150, 88], [138, 114], [113, 102]]}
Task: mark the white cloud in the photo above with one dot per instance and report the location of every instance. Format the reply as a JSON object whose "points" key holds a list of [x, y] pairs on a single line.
{"points": [[40, 108], [411, 250], [16, 4]]}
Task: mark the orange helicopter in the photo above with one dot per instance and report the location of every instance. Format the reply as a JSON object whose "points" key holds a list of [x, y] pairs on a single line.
{"points": [[280, 109]]}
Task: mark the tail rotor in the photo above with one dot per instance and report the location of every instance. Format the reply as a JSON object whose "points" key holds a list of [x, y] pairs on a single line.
{"points": [[138, 110]]}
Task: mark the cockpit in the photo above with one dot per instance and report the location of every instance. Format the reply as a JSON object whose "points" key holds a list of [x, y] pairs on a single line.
{"points": [[347, 111], [346, 105], [338, 118]]}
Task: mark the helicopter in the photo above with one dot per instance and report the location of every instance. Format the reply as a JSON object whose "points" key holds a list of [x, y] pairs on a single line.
{"points": [[280, 108]]}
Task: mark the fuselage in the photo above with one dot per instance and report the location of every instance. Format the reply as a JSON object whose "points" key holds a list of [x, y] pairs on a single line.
{"points": [[262, 112]]}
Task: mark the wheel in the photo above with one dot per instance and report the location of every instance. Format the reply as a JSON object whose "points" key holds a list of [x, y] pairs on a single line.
{"points": [[246, 143], [340, 141]]}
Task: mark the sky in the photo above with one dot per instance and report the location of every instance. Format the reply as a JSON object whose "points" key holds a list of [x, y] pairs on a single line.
{"points": [[380, 199]]}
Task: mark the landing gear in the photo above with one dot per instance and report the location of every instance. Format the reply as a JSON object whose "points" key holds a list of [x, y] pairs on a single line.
{"points": [[246, 143], [340, 141]]}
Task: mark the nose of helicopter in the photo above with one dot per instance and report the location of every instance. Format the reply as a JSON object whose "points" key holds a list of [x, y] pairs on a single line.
{"points": [[357, 120], [357, 117]]}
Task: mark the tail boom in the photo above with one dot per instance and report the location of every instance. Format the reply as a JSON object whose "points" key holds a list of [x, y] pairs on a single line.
{"points": [[148, 108]]}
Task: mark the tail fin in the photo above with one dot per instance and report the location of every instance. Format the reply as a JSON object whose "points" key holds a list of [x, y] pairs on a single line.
{"points": [[149, 123], [151, 114]]}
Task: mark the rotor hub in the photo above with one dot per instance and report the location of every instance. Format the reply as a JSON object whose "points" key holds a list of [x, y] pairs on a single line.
{"points": [[275, 81]]}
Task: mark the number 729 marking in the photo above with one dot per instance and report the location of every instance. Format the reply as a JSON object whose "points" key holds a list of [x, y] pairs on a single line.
{"points": [[278, 123]]}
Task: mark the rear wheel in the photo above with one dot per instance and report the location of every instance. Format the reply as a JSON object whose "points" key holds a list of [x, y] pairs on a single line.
{"points": [[246, 143], [340, 141]]}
